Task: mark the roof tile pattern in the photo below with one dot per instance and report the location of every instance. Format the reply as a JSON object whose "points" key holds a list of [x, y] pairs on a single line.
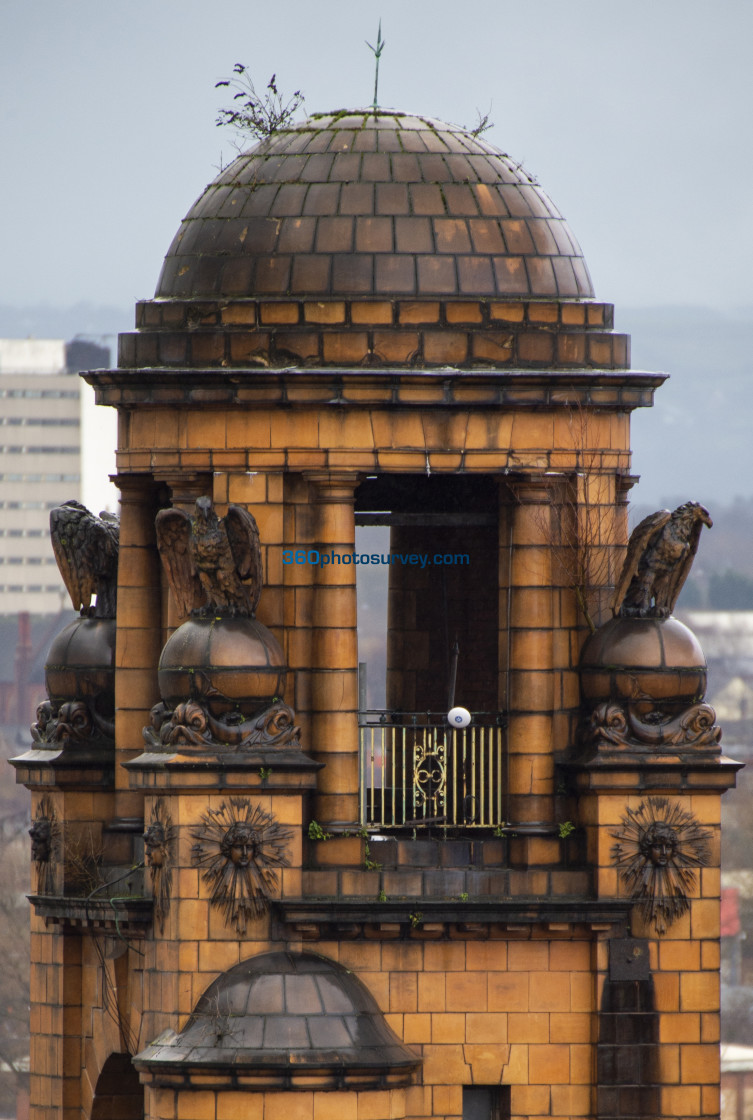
{"points": [[374, 205]]}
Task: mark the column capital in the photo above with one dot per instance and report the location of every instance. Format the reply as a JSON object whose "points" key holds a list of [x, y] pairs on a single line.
{"points": [[185, 486], [333, 486], [129, 484], [535, 489]]}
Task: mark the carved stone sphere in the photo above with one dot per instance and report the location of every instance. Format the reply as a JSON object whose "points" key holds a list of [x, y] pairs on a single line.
{"points": [[229, 664], [648, 661], [81, 664]]}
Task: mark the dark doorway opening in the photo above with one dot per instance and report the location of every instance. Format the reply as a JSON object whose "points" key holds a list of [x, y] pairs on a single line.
{"points": [[119, 1092], [486, 1102]]}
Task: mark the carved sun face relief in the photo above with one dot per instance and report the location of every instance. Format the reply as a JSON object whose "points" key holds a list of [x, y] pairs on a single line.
{"points": [[44, 833], [240, 847], [158, 858], [659, 847]]}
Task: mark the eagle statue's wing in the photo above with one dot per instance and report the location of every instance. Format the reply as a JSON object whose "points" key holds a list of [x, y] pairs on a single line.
{"points": [[243, 537], [681, 571], [174, 541], [86, 551], [639, 539]]}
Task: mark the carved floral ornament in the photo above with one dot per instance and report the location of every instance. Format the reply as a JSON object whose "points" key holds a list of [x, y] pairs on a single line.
{"points": [[659, 847], [158, 838], [240, 847], [45, 836]]}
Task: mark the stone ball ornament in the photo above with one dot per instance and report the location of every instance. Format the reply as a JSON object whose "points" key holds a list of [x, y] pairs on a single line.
{"points": [[81, 662], [644, 661], [80, 667], [643, 673], [222, 673], [233, 665], [643, 683]]}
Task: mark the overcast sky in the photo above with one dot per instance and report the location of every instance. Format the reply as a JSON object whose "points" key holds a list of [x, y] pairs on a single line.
{"points": [[633, 114]]}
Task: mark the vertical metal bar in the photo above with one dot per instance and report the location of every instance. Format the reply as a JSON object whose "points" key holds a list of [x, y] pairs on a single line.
{"points": [[371, 772], [441, 748], [361, 778], [492, 772], [405, 775], [384, 776], [473, 767], [452, 775], [478, 745], [500, 776], [489, 773], [483, 813], [493, 777], [430, 749], [393, 746], [469, 738]]}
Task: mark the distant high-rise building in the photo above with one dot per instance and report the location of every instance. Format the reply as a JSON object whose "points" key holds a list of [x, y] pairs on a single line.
{"points": [[41, 400]]}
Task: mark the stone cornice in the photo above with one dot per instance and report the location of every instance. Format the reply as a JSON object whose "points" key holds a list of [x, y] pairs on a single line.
{"points": [[447, 387]]}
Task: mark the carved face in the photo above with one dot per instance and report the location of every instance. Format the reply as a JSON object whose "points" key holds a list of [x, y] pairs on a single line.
{"points": [[75, 721], [154, 844], [239, 844], [659, 843], [41, 840]]}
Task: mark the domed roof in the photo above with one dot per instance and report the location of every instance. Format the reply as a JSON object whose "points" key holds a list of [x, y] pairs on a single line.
{"points": [[287, 1014], [374, 204]]}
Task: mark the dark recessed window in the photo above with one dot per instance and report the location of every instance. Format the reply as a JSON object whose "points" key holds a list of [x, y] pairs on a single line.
{"points": [[486, 1102]]}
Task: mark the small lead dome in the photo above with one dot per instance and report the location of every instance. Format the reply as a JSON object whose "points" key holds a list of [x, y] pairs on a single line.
{"points": [[287, 1016], [374, 204]]}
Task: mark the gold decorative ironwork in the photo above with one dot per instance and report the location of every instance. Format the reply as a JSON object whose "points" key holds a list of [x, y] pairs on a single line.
{"points": [[417, 773], [430, 774]]}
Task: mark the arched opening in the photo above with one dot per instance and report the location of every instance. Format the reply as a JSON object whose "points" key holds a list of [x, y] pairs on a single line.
{"points": [[118, 1092]]}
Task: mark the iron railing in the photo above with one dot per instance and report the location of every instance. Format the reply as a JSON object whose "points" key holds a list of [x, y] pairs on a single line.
{"points": [[418, 772]]}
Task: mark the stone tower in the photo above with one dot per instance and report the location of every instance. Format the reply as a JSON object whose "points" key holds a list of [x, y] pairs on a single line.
{"points": [[256, 898]]}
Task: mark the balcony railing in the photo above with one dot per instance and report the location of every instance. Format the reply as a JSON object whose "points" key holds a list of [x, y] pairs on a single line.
{"points": [[418, 772]]}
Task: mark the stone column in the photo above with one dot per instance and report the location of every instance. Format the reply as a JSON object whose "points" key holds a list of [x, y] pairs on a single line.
{"points": [[527, 646], [334, 649], [299, 523], [139, 637]]}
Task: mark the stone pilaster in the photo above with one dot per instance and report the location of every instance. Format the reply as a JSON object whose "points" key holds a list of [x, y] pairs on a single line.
{"points": [[528, 678], [139, 637], [334, 684]]}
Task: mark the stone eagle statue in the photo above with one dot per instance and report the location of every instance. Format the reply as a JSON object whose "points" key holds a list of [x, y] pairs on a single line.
{"points": [[86, 551], [659, 557], [211, 564]]}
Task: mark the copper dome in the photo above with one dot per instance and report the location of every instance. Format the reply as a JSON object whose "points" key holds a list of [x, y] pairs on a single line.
{"points": [[374, 204]]}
